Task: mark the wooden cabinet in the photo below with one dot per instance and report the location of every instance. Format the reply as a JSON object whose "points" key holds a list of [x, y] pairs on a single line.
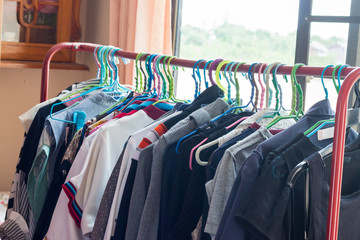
{"points": [[31, 27]]}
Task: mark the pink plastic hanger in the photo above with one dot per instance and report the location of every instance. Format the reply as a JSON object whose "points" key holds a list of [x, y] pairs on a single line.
{"points": [[262, 86], [203, 141]]}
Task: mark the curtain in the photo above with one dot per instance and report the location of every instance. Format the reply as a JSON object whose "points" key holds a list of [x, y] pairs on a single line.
{"points": [[140, 26]]}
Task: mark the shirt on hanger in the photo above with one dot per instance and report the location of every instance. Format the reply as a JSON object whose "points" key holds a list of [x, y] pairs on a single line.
{"points": [[146, 225], [284, 223], [220, 187], [91, 182], [131, 152], [176, 174], [55, 128], [283, 124], [250, 168], [18, 200]]}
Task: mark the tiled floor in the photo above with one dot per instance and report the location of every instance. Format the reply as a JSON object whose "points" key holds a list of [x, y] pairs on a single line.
{"points": [[4, 198]]}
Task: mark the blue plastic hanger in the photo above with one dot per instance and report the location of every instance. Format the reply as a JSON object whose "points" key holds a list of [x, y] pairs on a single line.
{"points": [[228, 81], [80, 116], [197, 71], [205, 68], [339, 73], [322, 80], [197, 84], [214, 119]]}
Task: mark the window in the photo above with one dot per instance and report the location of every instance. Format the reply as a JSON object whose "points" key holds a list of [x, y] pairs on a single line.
{"points": [[245, 32]]}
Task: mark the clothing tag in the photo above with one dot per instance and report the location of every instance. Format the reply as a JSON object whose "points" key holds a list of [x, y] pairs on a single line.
{"points": [[325, 133]]}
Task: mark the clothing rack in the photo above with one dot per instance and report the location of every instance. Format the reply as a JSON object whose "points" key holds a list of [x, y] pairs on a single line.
{"points": [[351, 75]]}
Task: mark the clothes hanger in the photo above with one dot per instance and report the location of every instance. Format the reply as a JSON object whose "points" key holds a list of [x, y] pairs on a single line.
{"points": [[138, 74], [197, 84], [227, 71], [339, 73], [322, 80], [337, 87], [237, 85], [164, 84], [205, 68], [217, 78], [156, 76], [211, 68], [266, 77], [251, 74], [216, 141], [318, 125], [261, 85], [272, 114], [80, 116], [229, 80], [168, 74], [295, 88]]}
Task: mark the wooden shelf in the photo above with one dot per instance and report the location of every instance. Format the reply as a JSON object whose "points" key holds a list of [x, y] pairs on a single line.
{"points": [[33, 64]]}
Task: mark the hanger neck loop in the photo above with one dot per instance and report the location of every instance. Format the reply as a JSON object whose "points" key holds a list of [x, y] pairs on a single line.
{"points": [[171, 85], [250, 74], [279, 103], [164, 85], [166, 74], [322, 80], [97, 61], [339, 74], [199, 76], [138, 73], [197, 84], [237, 85], [262, 96], [266, 77], [205, 68], [144, 87], [298, 88], [156, 75], [217, 77], [337, 87], [212, 66], [99, 55], [228, 81], [232, 65]]}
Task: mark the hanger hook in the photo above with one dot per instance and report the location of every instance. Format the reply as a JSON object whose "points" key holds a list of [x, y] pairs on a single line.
{"points": [[262, 96], [212, 66], [298, 88], [253, 84], [322, 80], [278, 89], [237, 85], [197, 85], [266, 76], [205, 68], [339, 73]]}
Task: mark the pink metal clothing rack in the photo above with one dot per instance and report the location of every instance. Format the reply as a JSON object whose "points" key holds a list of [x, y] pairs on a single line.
{"points": [[352, 75]]}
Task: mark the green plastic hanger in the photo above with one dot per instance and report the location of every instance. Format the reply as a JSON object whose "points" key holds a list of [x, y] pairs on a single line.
{"points": [[295, 88], [237, 85], [318, 124], [138, 74], [217, 78], [164, 85], [337, 87]]}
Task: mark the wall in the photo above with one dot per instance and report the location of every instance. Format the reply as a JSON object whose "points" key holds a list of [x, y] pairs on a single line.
{"points": [[20, 88]]}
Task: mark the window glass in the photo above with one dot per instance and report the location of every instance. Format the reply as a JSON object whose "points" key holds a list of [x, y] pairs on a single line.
{"points": [[331, 7], [236, 30]]}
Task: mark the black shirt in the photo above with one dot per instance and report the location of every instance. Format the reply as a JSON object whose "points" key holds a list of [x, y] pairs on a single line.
{"points": [[273, 210], [183, 190]]}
